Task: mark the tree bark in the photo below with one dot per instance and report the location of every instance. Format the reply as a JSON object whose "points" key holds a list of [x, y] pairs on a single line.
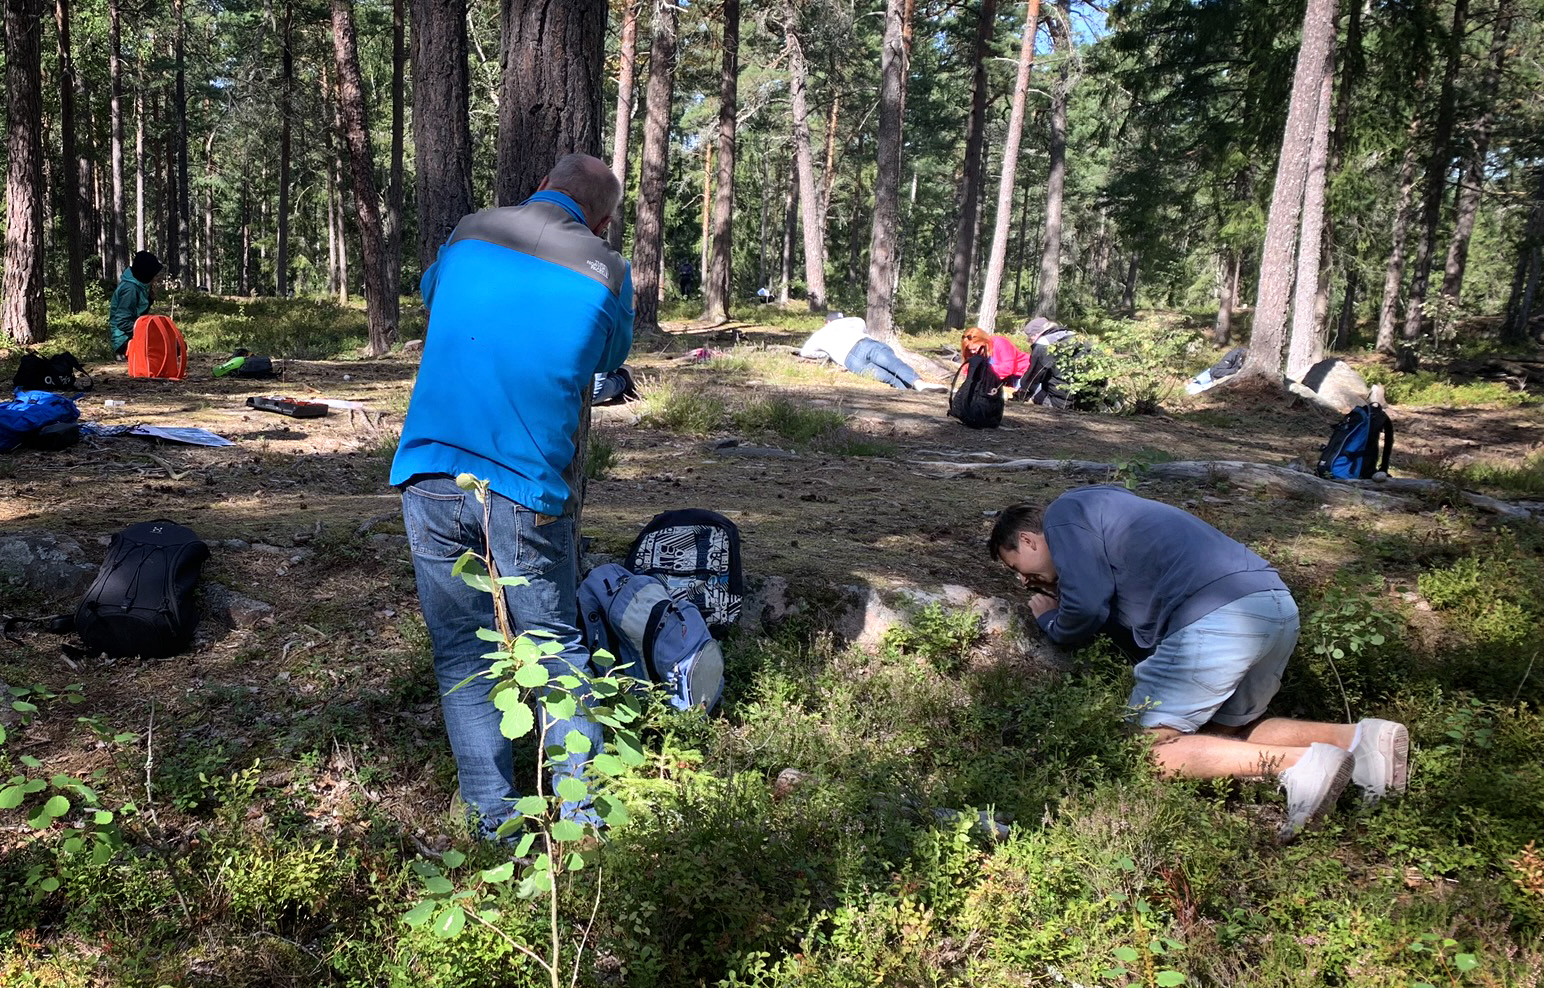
{"points": [[442, 137], [139, 155], [1525, 282], [992, 284], [177, 262], [717, 287], [1394, 271], [961, 265], [887, 179], [1222, 328], [1056, 181], [1269, 328], [394, 192], [622, 129], [286, 87], [116, 229], [790, 220], [1353, 64], [648, 234], [23, 313], [1436, 181], [1472, 181], [1306, 345], [74, 254], [553, 79], [380, 304], [809, 201]]}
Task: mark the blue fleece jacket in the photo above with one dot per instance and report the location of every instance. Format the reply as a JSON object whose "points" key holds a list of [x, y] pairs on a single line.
{"points": [[525, 305], [1151, 567]]}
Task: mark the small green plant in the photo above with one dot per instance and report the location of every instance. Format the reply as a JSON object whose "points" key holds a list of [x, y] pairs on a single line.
{"points": [[531, 698], [799, 424], [1445, 957], [939, 634], [1130, 368], [1346, 633], [693, 413], [601, 458]]}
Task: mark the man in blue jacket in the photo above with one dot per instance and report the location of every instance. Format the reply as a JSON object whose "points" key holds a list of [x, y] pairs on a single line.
{"points": [[526, 305], [1219, 626]]}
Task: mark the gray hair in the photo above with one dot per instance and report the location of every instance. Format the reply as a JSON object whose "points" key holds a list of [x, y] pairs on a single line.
{"points": [[589, 182]]}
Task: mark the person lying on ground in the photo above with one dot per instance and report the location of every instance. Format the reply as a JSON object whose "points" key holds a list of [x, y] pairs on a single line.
{"points": [[131, 299], [1218, 625], [1009, 363], [845, 340]]}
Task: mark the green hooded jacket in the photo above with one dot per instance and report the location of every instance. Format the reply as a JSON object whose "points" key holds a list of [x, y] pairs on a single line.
{"points": [[131, 300]]}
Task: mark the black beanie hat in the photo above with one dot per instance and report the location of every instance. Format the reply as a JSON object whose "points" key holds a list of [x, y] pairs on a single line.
{"points": [[145, 266]]}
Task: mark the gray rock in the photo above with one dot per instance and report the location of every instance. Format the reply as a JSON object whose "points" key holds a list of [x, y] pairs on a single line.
{"points": [[412, 345], [1336, 384], [766, 604], [235, 610], [870, 613], [45, 563]]}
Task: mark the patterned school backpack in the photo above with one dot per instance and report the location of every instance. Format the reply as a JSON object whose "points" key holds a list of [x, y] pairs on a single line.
{"points": [[696, 553]]}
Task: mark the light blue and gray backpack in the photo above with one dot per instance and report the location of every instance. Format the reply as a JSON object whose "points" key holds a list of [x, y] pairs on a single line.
{"points": [[653, 636]]}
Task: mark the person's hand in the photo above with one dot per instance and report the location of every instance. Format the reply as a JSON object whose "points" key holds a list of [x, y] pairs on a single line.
{"points": [[1041, 603]]}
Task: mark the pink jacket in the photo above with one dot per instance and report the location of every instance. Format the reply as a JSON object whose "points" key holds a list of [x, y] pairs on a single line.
{"points": [[1008, 361]]}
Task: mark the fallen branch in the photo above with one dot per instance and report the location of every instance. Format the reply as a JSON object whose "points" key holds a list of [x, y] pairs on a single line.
{"points": [[1378, 493]]}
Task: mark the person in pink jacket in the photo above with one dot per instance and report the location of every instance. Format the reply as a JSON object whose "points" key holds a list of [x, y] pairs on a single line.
{"points": [[1008, 362]]}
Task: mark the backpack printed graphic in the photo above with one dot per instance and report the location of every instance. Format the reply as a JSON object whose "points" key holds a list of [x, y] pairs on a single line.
{"points": [[652, 636], [696, 553], [1353, 452]]}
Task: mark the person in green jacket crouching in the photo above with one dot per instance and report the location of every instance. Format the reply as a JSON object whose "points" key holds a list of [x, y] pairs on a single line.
{"points": [[131, 300]]}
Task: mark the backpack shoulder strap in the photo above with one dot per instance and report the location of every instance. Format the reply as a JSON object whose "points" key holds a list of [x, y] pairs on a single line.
{"points": [[1388, 440]]}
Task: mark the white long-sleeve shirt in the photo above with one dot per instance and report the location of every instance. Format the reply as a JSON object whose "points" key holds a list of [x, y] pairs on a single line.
{"points": [[835, 339]]}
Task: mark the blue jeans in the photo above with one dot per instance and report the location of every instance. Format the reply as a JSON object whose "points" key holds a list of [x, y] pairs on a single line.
{"points": [[606, 387], [1223, 667], [443, 522], [877, 360]]}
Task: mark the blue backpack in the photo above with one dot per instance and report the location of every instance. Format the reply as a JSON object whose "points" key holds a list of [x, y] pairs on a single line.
{"points": [[1353, 450], [29, 412], [652, 635]]}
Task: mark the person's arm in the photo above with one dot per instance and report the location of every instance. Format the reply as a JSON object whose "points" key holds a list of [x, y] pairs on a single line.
{"points": [[620, 341], [815, 347], [1085, 587]]}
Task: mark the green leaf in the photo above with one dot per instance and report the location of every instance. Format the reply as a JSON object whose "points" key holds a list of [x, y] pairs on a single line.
{"points": [[509, 826], [629, 749], [532, 677], [101, 853], [1126, 864], [453, 858], [489, 635], [73, 845], [499, 873], [11, 797], [560, 706], [517, 722], [531, 806], [607, 764], [40, 819], [504, 698], [1377, 639], [576, 743], [1126, 955], [34, 785], [423, 869], [524, 846], [439, 885], [1111, 973], [31, 762], [1168, 979], [567, 830], [575, 861], [572, 790], [1465, 962], [1338, 653], [419, 914], [513, 581], [569, 682], [23, 707], [102, 818], [449, 923], [49, 884], [613, 811]]}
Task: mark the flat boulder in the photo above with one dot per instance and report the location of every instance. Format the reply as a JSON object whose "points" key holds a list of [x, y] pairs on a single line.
{"points": [[1336, 384], [45, 563]]}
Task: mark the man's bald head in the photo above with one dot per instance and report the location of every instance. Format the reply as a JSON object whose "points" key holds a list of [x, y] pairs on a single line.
{"points": [[589, 182]]}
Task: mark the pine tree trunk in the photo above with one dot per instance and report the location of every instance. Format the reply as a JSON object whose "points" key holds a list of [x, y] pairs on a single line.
{"points": [[1472, 180], [1305, 347], [177, 263], [717, 287], [23, 314], [1222, 328], [172, 235], [1525, 282], [1394, 271], [286, 87], [1023, 226], [1353, 64], [648, 233], [1436, 181], [761, 239], [379, 308], [973, 176], [1056, 180], [71, 213], [622, 129], [790, 220], [1347, 321], [809, 202], [991, 286], [553, 79], [883, 262], [1268, 333], [211, 269], [1128, 295], [442, 137], [394, 180], [86, 177], [828, 175], [116, 228], [139, 156]]}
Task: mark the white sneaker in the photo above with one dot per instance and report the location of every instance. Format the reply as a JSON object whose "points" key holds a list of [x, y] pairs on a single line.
{"points": [[921, 385], [1313, 785], [1382, 753]]}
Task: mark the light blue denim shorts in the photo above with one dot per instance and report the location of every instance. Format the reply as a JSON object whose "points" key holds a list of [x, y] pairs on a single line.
{"points": [[1222, 668]]}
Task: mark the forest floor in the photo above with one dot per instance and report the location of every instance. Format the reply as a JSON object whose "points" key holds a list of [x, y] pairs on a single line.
{"points": [[331, 689]]}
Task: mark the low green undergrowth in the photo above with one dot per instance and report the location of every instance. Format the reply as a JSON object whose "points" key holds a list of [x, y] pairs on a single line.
{"points": [[1432, 388]]}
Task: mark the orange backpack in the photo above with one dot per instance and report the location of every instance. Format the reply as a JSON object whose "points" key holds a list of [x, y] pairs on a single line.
{"points": [[157, 349]]}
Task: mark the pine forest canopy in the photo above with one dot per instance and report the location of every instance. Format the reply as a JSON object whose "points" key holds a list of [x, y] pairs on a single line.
{"points": [[1370, 171]]}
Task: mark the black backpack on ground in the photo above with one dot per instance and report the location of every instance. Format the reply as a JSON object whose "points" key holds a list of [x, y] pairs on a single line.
{"points": [[1353, 450], [978, 402], [61, 372], [141, 602], [696, 552]]}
